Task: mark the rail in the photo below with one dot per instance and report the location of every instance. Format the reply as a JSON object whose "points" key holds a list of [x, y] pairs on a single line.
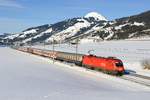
{"points": [[140, 79]]}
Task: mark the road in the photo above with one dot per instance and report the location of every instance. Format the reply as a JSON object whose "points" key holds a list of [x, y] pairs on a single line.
{"points": [[28, 77]]}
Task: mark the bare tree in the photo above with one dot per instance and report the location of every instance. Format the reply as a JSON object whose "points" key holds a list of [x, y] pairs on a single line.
{"points": [[146, 64]]}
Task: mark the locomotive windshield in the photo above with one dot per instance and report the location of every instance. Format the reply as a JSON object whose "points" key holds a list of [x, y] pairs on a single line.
{"points": [[119, 64]]}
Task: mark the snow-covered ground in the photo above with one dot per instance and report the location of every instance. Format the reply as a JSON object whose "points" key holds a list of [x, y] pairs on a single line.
{"points": [[25, 76], [132, 53]]}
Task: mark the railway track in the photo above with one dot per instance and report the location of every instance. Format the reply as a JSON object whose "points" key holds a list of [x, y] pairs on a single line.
{"points": [[132, 77], [140, 76], [140, 79], [136, 78]]}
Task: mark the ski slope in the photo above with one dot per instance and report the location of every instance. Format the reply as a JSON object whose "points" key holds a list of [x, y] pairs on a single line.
{"points": [[29, 77]]}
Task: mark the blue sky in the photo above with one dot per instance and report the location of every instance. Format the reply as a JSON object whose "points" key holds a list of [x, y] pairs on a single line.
{"points": [[17, 15]]}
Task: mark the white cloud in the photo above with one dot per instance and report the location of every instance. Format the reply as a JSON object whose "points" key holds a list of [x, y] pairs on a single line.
{"points": [[10, 3]]}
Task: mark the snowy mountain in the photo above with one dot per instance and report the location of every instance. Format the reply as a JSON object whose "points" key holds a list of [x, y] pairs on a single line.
{"points": [[137, 26], [96, 16], [24, 35], [132, 27], [60, 32], [92, 26]]}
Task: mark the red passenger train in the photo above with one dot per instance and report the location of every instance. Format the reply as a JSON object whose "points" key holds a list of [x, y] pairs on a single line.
{"points": [[109, 65]]}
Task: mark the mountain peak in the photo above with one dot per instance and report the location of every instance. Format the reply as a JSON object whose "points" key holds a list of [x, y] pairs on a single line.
{"points": [[95, 15]]}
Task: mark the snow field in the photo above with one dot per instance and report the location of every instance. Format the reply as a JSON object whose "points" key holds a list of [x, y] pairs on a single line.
{"points": [[29, 77], [132, 53]]}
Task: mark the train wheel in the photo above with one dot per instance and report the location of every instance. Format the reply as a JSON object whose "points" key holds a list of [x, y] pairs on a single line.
{"points": [[97, 69], [119, 74], [109, 72], [92, 68], [105, 71]]}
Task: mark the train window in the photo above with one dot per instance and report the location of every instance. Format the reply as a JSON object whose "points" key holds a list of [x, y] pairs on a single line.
{"points": [[119, 64]]}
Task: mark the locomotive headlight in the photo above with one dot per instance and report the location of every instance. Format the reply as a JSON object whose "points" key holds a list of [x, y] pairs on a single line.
{"points": [[120, 69]]}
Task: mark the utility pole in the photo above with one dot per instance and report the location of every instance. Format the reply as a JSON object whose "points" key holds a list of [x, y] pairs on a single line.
{"points": [[76, 42], [76, 49], [30, 44], [44, 44], [53, 50]]}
